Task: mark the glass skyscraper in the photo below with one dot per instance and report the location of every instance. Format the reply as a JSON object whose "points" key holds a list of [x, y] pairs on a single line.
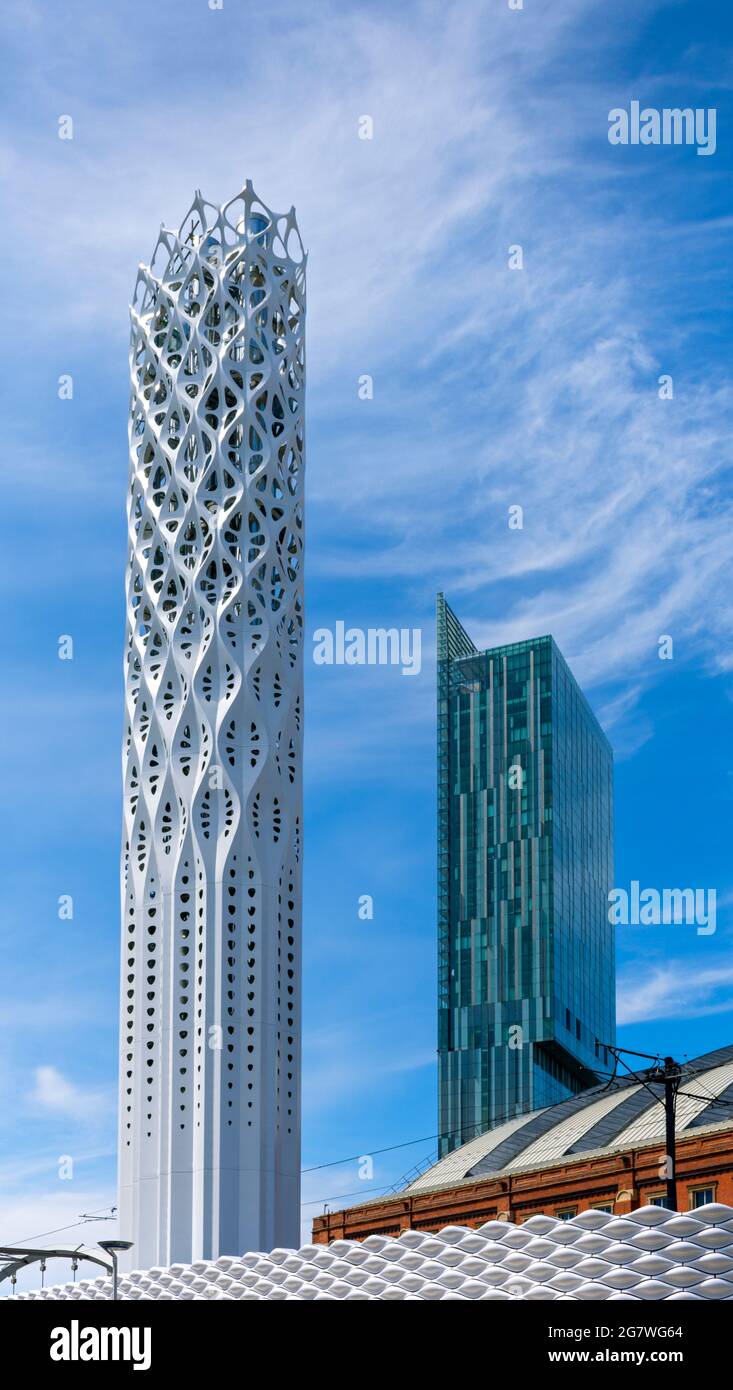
{"points": [[526, 976]]}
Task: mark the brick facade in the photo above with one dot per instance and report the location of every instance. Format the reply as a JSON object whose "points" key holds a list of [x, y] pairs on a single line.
{"points": [[623, 1180]]}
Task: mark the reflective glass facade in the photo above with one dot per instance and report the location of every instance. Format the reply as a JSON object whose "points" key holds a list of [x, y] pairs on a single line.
{"points": [[526, 976]]}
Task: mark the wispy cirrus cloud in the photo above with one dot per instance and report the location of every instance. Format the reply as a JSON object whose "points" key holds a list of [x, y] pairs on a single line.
{"points": [[53, 1092], [492, 387], [678, 989]]}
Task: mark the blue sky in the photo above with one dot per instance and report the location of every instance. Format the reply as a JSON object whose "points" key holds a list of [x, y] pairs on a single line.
{"points": [[491, 388]]}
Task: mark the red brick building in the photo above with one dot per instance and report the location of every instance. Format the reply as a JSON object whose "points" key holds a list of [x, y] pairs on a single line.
{"points": [[603, 1148]]}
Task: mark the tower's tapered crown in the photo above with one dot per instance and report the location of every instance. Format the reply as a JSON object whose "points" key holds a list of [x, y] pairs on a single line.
{"points": [[209, 1135]]}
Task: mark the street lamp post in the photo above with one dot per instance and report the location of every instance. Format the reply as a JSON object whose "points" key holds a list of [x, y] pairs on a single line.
{"points": [[113, 1247]]}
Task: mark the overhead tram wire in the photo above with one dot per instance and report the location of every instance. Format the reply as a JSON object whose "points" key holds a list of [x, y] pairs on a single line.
{"points": [[406, 1143], [712, 1100], [431, 1138], [428, 1138], [90, 1216]]}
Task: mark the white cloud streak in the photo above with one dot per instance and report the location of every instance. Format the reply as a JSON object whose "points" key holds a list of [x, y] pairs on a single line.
{"points": [[56, 1094], [491, 387], [679, 989]]}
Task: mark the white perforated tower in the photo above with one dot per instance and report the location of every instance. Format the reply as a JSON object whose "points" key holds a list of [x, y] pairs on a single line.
{"points": [[209, 1136]]}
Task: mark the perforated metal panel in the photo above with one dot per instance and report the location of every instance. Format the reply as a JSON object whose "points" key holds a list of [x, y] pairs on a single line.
{"points": [[211, 862]]}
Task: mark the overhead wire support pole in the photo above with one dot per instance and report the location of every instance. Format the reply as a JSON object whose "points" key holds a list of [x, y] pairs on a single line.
{"points": [[672, 1077], [669, 1073]]}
